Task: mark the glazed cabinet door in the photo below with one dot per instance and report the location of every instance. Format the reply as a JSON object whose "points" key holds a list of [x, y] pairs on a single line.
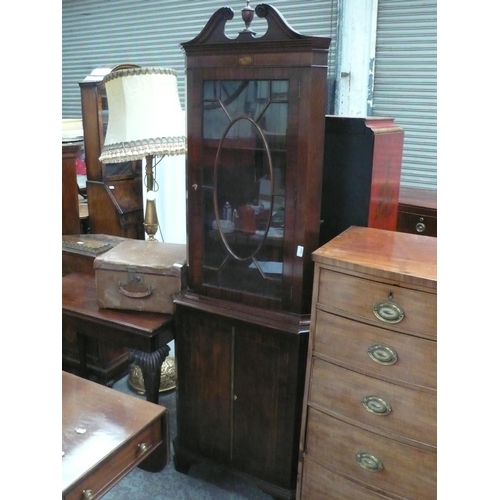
{"points": [[241, 188]]}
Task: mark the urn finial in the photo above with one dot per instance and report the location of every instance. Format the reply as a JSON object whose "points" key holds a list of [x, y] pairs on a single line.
{"points": [[247, 14]]}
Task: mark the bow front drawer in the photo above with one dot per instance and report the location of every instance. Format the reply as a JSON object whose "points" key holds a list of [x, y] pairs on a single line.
{"points": [[403, 359], [387, 407], [383, 304], [370, 459]]}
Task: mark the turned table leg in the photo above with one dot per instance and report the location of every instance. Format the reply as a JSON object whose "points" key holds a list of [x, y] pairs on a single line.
{"points": [[150, 364]]}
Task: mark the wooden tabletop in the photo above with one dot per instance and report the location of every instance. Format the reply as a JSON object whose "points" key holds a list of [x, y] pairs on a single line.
{"points": [[98, 423], [425, 198]]}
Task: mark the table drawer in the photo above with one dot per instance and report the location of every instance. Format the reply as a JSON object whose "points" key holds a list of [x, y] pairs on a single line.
{"points": [[117, 464], [417, 223], [321, 484], [356, 297], [350, 343], [407, 471], [391, 408]]}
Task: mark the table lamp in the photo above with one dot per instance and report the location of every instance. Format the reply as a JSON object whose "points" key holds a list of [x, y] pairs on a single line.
{"points": [[145, 121]]}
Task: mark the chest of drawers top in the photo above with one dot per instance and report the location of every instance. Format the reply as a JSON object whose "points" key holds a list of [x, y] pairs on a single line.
{"points": [[388, 255]]}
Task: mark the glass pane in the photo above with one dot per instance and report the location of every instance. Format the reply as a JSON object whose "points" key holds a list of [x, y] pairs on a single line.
{"points": [[244, 159]]}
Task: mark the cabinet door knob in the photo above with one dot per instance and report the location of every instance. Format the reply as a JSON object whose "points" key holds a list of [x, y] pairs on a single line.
{"points": [[369, 462], [376, 405], [87, 494], [142, 447], [382, 354]]}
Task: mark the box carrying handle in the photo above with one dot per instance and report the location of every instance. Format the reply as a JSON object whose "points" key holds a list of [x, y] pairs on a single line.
{"points": [[135, 288]]}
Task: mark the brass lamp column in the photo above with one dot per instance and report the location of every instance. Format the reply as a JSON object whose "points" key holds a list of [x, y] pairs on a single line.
{"points": [[150, 215]]}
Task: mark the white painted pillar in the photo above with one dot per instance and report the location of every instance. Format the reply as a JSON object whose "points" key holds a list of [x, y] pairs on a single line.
{"points": [[356, 57]]}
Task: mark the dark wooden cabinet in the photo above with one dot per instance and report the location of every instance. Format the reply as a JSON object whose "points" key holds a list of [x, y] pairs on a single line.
{"points": [[238, 400], [361, 174], [256, 118], [417, 211], [114, 191], [70, 207]]}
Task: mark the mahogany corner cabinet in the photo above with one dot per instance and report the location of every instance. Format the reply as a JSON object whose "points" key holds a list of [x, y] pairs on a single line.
{"points": [[256, 126]]}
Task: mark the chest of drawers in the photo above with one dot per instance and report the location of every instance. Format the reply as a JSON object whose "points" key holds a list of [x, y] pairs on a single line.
{"points": [[369, 417]]}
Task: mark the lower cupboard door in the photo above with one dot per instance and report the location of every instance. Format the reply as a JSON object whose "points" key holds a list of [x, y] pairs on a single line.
{"points": [[406, 471]]}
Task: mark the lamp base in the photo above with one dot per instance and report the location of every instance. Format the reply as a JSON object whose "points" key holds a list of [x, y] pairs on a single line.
{"points": [[150, 230], [167, 377]]}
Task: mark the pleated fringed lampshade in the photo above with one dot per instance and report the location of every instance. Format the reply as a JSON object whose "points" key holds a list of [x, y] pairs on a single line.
{"points": [[145, 115], [145, 120]]}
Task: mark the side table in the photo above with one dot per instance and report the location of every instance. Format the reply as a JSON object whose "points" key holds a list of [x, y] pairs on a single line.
{"points": [[105, 434], [417, 211], [146, 334], [106, 363]]}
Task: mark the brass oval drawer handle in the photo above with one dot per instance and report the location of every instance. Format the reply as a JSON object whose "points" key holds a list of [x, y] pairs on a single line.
{"points": [[87, 494], [388, 312], [376, 405], [142, 447], [382, 354], [369, 462]]}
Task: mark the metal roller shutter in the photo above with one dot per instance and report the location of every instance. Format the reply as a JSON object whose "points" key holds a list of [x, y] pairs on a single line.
{"points": [[405, 85], [97, 33]]}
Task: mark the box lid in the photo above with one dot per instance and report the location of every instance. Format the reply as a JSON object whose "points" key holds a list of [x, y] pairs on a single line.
{"points": [[148, 257], [89, 244]]}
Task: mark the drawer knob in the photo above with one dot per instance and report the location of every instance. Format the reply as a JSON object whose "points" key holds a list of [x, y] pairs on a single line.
{"points": [[376, 405], [420, 226], [87, 494], [142, 447], [369, 462], [383, 354], [388, 312]]}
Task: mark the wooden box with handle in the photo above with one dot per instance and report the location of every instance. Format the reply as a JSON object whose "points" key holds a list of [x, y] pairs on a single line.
{"points": [[140, 275]]}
